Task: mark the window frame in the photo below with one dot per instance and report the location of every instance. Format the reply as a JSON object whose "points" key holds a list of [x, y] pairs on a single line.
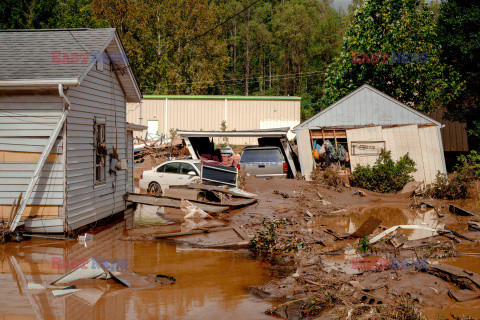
{"points": [[99, 125]]}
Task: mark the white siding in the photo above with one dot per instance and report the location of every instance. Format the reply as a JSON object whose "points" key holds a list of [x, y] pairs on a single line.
{"points": [[363, 134], [130, 182], [26, 123], [422, 144], [99, 95]]}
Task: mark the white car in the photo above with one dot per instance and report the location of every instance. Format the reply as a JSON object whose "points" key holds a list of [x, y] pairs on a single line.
{"points": [[170, 173]]}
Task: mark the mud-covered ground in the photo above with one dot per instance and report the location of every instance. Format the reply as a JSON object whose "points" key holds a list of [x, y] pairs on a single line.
{"points": [[322, 274], [329, 278]]}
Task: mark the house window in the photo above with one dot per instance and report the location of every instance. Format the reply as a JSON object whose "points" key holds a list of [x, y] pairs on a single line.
{"points": [[100, 150]]}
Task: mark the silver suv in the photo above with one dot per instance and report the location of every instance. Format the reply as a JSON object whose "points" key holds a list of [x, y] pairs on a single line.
{"points": [[264, 162]]}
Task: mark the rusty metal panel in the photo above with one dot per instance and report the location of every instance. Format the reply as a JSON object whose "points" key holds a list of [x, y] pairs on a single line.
{"points": [[454, 134]]}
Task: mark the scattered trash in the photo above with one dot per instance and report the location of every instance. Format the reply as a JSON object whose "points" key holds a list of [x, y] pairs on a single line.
{"points": [[398, 240], [62, 292], [192, 211], [459, 235], [89, 269], [474, 226], [283, 194], [35, 286], [390, 230], [359, 192], [85, 239], [308, 213], [460, 212], [163, 279], [370, 225], [461, 277]]}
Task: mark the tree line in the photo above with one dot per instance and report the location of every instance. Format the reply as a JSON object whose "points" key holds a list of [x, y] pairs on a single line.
{"points": [[305, 48]]}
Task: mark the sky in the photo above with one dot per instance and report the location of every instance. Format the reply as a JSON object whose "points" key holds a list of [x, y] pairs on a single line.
{"points": [[341, 3]]}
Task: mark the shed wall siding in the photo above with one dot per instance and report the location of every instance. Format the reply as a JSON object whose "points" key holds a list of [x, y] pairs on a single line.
{"points": [[205, 114], [99, 95], [421, 143], [26, 123]]}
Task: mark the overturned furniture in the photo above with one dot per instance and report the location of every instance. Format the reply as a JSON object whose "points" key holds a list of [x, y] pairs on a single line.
{"points": [[366, 121], [65, 144]]}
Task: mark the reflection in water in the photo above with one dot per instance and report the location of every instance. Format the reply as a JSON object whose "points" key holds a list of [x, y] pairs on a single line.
{"points": [[210, 284], [390, 216]]}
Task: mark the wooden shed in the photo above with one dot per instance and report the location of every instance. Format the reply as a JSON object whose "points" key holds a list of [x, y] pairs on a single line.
{"points": [[366, 121], [65, 144]]}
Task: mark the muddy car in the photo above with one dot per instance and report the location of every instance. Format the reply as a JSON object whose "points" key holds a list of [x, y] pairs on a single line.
{"points": [[170, 173], [264, 162]]}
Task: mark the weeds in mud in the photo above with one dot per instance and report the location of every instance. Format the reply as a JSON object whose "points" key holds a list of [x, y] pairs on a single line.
{"points": [[268, 245], [385, 175], [462, 183], [453, 186], [404, 310], [364, 245]]}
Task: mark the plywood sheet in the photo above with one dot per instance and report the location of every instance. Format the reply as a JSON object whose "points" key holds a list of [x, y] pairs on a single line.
{"points": [[17, 156], [433, 160], [30, 211], [305, 153], [403, 140]]}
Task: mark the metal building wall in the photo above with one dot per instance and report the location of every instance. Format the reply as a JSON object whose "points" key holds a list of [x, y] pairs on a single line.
{"points": [[454, 134], [207, 113]]}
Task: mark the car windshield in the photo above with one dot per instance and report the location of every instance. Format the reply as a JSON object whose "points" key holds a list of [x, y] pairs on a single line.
{"points": [[197, 164], [261, 155]]}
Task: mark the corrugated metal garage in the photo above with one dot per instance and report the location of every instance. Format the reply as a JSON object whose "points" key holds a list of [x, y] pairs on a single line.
{"points": [[195, 113]]}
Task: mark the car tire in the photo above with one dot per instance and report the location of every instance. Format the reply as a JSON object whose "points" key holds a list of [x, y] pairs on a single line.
{"points": [[154, 188]]}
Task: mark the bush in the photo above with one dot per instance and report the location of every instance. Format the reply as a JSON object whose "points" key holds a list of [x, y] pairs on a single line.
{"points": [[469, 165], [385, 175], [457, 184], [451, 187], [267, 243]]}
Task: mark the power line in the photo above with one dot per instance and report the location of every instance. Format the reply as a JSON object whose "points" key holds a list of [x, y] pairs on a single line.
{"points": [[288, 75], [222, 23]]}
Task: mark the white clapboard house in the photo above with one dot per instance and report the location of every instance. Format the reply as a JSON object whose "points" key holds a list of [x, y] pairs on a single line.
{"points": [[63, 96]]}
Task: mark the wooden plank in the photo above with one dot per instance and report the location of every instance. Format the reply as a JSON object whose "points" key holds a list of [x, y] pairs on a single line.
{"points": [[18, 156], [460, 212], [192, 232], [210, 207], [31, 211], [305, 153]]}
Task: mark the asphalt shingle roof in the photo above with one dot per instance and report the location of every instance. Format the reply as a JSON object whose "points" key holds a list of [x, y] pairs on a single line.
{"points": [[47, 54]]}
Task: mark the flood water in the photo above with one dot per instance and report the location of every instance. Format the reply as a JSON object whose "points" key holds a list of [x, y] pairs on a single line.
{"points": [[390, 214], [211, 284]]}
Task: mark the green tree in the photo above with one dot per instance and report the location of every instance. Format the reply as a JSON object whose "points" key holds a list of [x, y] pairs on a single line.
{"points": [[390, 26], [13, 14], [459, 25]]}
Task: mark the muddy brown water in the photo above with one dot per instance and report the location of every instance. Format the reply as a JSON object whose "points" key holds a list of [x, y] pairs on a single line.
{"points": [[211, 284]]}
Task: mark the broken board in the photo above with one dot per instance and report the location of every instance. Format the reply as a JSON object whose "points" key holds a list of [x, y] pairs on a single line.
{"points": [[367, 227]]}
